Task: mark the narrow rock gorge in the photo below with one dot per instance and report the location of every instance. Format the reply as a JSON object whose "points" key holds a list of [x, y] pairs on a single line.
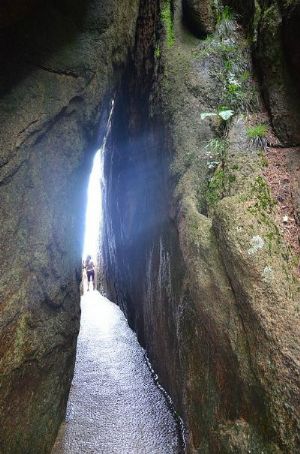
{"points": [[201, 208]]}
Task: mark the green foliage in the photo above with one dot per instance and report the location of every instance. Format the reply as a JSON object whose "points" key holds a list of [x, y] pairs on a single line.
{"points": [[167, 19], [233, 88], [245, 76], [225, 115], [228, 64], [257, 135], [258, 131], [225, 13]]}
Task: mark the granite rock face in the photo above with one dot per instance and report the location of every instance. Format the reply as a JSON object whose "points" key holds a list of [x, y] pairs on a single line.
{"points": [[278, 56], [274, 29], [193, 253], [58, 62]]}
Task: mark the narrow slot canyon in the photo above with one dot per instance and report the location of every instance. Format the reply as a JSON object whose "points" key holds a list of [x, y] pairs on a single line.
{"points": [[151, 147], [115, 404]]}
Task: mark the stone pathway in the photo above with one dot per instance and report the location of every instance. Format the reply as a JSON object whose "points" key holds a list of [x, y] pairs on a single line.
{"points": [[114, 405]]}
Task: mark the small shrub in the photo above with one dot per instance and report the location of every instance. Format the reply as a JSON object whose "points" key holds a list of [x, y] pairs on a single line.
{"points": [[257, 135], [257, 131], [263, 159], [233, 88]]}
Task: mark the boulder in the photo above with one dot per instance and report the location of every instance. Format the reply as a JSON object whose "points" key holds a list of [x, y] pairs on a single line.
{"points": [[199, 16]]}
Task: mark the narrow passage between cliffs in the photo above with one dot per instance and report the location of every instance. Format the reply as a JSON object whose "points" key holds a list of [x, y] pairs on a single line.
{"points": [[115, 405]]}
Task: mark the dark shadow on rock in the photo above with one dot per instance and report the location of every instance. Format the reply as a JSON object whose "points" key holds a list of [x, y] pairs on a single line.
{"points": [[33, 38]]}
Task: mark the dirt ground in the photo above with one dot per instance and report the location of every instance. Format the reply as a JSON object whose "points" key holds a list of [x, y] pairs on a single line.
{"points": [[283, 176]]}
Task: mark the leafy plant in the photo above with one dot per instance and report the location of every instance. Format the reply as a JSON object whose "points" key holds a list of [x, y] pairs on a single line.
{"points": [[233, 88], [257, 135], [224, 114]]}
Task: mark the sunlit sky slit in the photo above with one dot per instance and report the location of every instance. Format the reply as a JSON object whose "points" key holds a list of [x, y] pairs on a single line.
{"points": [[94, 208], [94, 211]]}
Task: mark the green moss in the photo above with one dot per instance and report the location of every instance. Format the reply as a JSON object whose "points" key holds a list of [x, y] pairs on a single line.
{"points": [[264, 202], [216, 187], [167, 19]]}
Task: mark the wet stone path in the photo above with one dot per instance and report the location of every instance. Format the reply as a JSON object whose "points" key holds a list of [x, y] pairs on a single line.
{"points": [[114, 405]]}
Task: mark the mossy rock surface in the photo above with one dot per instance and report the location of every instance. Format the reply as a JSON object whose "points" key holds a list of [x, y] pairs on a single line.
{"points": [[238, 324]]}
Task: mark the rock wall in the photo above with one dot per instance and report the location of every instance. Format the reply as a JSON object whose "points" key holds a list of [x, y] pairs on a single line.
{"points": [[272, 26], [194, 253], [59, 64]]}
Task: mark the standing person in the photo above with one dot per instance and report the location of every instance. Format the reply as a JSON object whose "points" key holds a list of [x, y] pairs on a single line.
{"points": [[90, 271]]}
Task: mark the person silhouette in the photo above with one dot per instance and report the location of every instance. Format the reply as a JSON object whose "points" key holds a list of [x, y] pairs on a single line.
{"points": [[90, 271]]}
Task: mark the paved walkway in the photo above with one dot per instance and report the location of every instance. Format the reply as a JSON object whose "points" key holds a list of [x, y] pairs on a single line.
{"points": [[114, 405]]}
